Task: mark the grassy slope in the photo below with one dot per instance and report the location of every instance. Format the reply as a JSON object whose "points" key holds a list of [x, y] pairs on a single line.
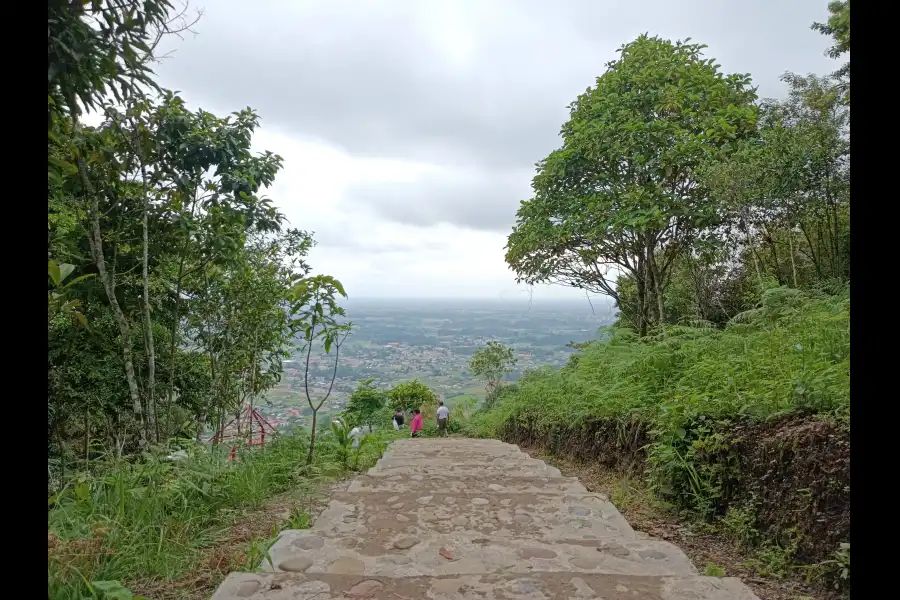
{"points": [[155, 521], [793, 353]]}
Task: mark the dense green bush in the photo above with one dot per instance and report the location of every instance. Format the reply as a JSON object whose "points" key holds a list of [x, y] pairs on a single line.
{"points": [[792, 353], [430, 428], [412, 394]]}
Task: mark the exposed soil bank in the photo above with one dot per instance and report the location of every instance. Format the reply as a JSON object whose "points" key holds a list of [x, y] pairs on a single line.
{"points": [[789, 478]]}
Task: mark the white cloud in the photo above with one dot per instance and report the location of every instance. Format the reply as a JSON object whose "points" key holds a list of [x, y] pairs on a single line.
{"points": [[409, 129], [375, 257]]}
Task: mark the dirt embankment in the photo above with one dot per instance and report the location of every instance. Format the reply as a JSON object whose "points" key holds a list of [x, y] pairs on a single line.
{"points": [[791, 475], [797, 473]]}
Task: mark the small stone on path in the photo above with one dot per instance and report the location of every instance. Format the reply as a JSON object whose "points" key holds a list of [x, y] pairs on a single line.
{"points": [[296, 564], [364, 588], [346, 565], [405, 543], [585, 563], [527, 553]]}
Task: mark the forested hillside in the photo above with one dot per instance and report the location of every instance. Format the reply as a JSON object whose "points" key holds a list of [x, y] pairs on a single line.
{"points": [[175, 290], [176, 287], [720, 226]]}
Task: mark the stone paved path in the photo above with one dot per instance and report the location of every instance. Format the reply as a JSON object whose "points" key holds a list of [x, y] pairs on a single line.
{"points": [[452, 519]]}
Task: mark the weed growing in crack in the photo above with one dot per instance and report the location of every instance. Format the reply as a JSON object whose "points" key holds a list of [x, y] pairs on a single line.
{"points": [[714, 570]]}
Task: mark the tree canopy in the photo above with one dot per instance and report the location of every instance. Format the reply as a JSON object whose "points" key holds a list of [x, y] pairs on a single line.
{"points": [[492, 363], [365, 404], [175, 287], [412, 394], [621, 195], [838, 27]]}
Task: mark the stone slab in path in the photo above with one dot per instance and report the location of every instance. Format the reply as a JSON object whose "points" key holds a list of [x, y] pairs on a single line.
{"points": [[453, 519], [455, 485], [543, 586]]}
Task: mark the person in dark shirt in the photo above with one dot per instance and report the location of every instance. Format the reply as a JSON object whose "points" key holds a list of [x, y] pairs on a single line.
{"points": [[398, 419]]}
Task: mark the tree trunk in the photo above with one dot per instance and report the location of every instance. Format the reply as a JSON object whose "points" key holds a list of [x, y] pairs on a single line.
{"points": [[641, 285], [837, 243], [170, 395], [756, 262], [642, 312], [312, 438], [657, 290], [755, 256], [835, 236], [173, 331], [252, 392], [812, 251], [649, 276], [793, 261], [212, 365], [774, 251], [145, 300], [826, 247], [62, 451], [95, 241]]}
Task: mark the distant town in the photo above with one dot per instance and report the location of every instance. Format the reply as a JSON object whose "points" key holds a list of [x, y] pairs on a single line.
{"points": [[432, 342]]}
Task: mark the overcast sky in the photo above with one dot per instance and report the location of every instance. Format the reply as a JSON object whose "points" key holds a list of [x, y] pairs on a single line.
{"points": [[410, 128]]}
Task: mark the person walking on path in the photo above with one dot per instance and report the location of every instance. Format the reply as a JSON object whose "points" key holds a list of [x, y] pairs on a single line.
{"points": [[416, 425], [443, 418], [398, 419]]}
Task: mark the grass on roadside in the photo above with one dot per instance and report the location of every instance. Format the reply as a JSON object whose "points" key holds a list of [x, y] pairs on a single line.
{"points": [[133, 524]]}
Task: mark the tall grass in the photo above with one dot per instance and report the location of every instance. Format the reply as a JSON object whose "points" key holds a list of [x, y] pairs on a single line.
{"points": [[152, 519]]}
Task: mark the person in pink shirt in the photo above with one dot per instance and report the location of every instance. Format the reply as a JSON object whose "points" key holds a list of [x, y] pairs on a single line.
{"points": [[416, 425]]}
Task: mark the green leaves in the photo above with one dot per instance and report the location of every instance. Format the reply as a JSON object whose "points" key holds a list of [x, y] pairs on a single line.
{"points": [[101, 47], [622, 192], [55, 272], [838, 27], [412, 394], [315, 310], [58, 298], [492, 362], [365, 404], [113, 590]]}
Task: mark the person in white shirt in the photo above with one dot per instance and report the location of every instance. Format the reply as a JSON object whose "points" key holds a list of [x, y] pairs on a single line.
{"points": [[443, 418], [355, 434]]}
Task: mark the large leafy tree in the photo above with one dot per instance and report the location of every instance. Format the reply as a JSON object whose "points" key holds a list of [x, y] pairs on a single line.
{"points": [[412, 394], [783, 195], [166, 263], [492, 363], [188, 188], [364, 404], [621, 195]]}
